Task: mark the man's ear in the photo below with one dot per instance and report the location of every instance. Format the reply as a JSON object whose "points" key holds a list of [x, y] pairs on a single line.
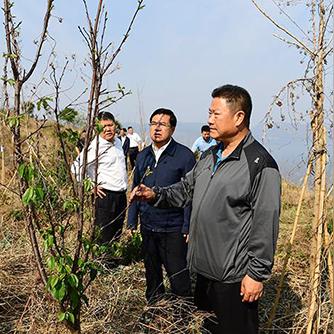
{"points": [[239, 117]]}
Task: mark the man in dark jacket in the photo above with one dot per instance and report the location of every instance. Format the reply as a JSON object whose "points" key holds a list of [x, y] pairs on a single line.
{"points": [[164, 232], [235, 194], [125, 144]]}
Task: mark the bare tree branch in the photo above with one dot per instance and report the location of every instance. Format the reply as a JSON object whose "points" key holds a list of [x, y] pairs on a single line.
{"points": [[41, 41], [305, 47]]}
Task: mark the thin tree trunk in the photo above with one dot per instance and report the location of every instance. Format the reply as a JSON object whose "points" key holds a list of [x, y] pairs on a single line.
{"points": [[289, 247]]}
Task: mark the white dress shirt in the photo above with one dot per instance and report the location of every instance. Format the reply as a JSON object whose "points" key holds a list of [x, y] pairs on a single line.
{"points": [[135, 140], [158, 151], [111, 172]]}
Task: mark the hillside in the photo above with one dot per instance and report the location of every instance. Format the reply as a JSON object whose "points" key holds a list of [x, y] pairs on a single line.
{"points": [[116, 298]]}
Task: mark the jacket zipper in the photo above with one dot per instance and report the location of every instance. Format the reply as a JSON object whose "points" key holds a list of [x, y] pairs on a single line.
{"points": [[200, 206]]}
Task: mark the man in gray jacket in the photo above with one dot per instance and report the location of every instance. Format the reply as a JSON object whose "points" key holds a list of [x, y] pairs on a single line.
{"points": [[235, 191]]}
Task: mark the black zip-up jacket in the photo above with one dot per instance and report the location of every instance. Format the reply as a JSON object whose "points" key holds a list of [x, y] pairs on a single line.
{"points": [[174, 163], [235, 215]]}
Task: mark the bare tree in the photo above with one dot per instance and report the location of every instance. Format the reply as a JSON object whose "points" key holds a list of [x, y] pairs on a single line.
{"points": [[315, 47], [58, 209]]}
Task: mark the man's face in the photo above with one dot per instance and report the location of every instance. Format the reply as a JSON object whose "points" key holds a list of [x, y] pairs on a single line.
{"points": [[122, 133], [108, 130], [223, 121], [206, 135], [160, 129], [130, 131]]}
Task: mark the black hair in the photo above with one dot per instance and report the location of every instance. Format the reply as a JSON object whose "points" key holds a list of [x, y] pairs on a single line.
{"points": [[124, 129], [106, 116], [129, 127], [205, 128], [163, 111], [238, 96]]}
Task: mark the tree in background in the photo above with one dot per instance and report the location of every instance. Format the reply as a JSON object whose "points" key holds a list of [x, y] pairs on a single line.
{"points": [[58, 210], [314, 46]]}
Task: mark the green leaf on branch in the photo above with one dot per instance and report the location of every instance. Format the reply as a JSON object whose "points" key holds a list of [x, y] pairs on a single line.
{"points": [[61, 316], [33, 195], [9, 81], [74, 296], [59, 291], [52, 281], [70, 317], [51, 262], [26, 172], [68, 114], [98, 127], [71, 135], [43, 102], [73, 280], [88, 185], [13, 121], [9, 55], [28, 196], [71, 205]]}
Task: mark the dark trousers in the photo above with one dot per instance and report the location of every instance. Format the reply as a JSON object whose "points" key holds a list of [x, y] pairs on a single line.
{"points": [[166, 249], [232, 315], [133, 152], [110, 216]]}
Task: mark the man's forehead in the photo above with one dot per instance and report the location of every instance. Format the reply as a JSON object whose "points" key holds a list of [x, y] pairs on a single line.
{"points": [[161, 116], [107, 121]]}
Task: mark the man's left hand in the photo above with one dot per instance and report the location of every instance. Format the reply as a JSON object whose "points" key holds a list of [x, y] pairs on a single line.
{"points": [[251, 290]]}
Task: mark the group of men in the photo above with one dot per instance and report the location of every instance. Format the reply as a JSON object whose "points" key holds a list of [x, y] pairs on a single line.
{"points": [[217, 217]]}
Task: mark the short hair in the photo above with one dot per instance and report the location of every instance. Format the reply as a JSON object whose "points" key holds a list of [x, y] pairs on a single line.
{"points": [[106, 116], [237, 96], [205, 128], [124, 129], [129, 127], [163, 111]]}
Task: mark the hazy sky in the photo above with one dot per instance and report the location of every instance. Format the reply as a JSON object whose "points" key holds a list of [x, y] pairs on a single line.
{"points": [[178, 51]]}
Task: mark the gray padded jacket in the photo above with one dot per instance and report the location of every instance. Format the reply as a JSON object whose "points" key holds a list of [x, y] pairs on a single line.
{"points": [[235, 212]]}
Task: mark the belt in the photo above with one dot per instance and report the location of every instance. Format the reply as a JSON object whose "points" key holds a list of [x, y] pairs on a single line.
{"points": [[114, 191]]}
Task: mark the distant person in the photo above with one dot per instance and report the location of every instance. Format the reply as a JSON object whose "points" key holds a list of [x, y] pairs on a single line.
{"points": [[203, 142], [81, 142], [135, 145], [235, 191], [125, 143], [164, 231], [109, 164]]}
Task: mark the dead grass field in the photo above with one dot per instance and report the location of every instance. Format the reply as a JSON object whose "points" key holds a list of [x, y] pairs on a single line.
{"points": [[116, 298]]}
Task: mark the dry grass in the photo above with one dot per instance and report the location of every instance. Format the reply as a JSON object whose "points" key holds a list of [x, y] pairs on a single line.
{"points": [[116, 299]]}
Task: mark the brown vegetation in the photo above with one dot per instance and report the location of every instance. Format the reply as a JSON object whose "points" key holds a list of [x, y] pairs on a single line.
{"points": [[116, 299]]}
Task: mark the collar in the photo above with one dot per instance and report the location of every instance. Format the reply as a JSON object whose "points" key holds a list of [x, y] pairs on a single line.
{"points": [[162, 148], [104, 142], [170, 149], [237, 151]]}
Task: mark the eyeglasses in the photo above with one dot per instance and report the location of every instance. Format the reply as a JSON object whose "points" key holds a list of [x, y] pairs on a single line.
{"points": [[161, 124]]}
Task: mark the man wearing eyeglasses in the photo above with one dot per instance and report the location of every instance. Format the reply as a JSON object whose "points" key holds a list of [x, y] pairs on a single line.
{"points": [[164, 232]]}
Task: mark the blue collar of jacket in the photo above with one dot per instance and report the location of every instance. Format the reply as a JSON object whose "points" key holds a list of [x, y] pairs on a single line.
{"points": [[235, 155]]}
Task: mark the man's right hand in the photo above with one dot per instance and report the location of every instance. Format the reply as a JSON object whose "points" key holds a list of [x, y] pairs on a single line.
{"points": [[142, 193], [99, 192]]}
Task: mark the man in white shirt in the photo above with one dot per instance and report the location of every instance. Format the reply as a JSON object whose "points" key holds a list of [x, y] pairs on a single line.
{"points": [[110, 181], [135, 146]]}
